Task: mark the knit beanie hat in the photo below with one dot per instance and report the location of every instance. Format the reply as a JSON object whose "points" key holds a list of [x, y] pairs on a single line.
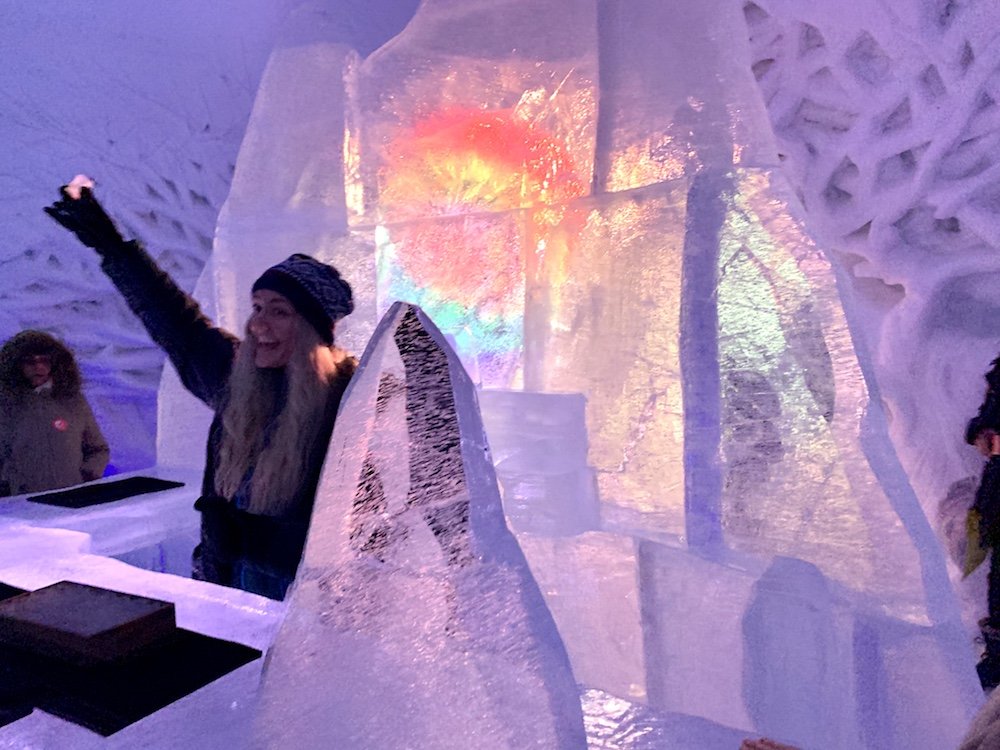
{"points": [[315, 289]]}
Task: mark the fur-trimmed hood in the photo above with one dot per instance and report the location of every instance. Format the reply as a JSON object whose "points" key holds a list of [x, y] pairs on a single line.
{"points": [[65, 373]]}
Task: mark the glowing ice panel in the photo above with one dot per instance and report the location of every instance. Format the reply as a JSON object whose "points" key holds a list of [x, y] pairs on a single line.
{"points": [[476, 107], [610, 330], [467, 273], [796, 481]]}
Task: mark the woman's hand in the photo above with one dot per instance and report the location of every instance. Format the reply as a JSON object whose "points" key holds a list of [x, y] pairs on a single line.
{"points": [[79, 211]]}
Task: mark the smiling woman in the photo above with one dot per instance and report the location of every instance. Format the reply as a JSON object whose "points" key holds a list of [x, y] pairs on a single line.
{"points": [[275, 395], [274, 325]]}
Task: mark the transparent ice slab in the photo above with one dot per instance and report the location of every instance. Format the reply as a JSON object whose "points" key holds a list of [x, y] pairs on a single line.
{"points": [[414, 619]]}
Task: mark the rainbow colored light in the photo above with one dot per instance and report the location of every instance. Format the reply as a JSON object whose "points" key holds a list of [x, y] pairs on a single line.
{"points": [[466, 195]]}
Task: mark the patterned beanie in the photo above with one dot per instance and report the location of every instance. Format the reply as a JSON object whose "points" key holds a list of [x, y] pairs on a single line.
{"points": [[315, 289]]}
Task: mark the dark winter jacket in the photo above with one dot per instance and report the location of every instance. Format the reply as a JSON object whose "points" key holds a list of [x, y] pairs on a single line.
{"points": [[239, 549], [987, 501], [988, 417], [48, 436]]}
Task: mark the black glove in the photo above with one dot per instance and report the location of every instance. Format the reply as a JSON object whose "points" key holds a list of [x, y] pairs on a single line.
{"points": [[86, 218]]}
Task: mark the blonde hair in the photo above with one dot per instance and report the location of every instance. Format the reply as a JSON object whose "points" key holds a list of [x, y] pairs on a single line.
{"points": [[281, 468]]}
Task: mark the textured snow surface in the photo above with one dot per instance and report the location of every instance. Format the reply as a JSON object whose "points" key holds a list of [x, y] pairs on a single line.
{"points": [[151, 101]]}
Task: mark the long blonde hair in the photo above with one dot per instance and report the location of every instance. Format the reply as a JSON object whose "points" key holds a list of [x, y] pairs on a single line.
{"points": [[281, 468]]}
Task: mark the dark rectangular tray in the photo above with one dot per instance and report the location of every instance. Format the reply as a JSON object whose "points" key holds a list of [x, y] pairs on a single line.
{"points": [[108, 697], [105, 492], [83, 625], [105, 694]]}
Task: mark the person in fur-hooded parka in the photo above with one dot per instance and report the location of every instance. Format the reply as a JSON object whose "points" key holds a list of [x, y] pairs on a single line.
{"points": [[48, 435]]}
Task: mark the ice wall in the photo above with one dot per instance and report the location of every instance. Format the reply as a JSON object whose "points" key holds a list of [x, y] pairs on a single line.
{"points": [[588, 202], [886, 119], [663, 291]]}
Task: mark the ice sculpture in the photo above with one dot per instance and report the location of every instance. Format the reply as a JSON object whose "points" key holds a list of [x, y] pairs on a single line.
{"points": [[414, 620], [588, 201]]}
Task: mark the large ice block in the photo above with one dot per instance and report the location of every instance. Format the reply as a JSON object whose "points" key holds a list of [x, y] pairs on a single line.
{"points": [[796, 477], [478, 107], [591, 584], [414, 620], [797, 677], [610, 330], [691, 609], [676, 94], [539, 447]]}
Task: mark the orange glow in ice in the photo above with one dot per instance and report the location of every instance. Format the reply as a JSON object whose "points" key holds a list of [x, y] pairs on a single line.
{"points": [[463, 160], [479, 168]]}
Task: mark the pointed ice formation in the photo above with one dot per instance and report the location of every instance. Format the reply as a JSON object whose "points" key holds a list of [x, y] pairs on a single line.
{"points": [[415, 621]]}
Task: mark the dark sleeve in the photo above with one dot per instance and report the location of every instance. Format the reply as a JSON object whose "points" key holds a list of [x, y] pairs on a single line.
{"points": [[5, 431], [201, 353], [95, 447], [988, 417]]}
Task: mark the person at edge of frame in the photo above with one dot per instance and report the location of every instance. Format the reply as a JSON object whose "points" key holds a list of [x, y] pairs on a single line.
{"points": [[49, 438], [983, 431]]}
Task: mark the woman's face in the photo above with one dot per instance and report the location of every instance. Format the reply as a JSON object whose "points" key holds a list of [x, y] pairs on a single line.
{"points": [[274, 324], [37, 369]]}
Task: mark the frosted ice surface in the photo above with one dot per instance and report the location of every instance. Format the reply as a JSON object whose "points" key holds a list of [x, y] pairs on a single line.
{"points": [[663, 115], [539, 447], [617, 724], [609, 328], [23, 543], [591, 584], [414, 620], [155, 531]]}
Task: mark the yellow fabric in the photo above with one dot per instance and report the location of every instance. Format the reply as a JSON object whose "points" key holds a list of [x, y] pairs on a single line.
{"points": [[975, 552]]}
